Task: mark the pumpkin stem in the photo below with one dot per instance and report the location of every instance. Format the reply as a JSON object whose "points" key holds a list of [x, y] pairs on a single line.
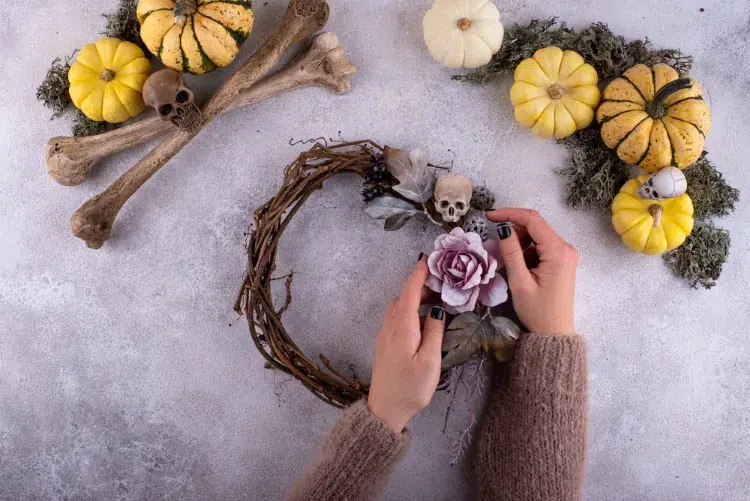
{"points": [[107, 75], [555, 91], [656, 107], [184, 8], [463, 24], [656, 211]]}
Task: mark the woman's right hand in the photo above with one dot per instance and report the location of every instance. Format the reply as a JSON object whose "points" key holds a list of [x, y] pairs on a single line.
{"points": [[543, 296]]}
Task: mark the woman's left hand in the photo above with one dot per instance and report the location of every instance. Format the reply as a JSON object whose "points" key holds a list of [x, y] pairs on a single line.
{"points": [[406, 370]]}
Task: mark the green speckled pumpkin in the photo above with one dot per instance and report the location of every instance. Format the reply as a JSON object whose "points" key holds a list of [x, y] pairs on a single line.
{"points": [[653, 118], [196, 36]]}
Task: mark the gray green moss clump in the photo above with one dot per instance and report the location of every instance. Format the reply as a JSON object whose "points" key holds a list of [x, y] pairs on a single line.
{"points": [[700, 259], [710, 193]]}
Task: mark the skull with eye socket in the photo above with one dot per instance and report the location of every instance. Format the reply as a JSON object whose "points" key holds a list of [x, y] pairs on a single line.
{"points": [[452, 196], [165, 91]]}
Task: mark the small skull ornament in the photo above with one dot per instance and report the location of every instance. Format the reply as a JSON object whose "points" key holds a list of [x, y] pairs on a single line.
{"points": [[453, 196], [669, 182], [165, 91]]}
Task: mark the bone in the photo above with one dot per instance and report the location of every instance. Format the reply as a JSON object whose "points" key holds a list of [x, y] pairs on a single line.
{"points": [[70, 159], [93, 221]]}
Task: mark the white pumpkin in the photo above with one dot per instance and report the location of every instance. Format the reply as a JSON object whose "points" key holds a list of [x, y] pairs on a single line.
{"points": [[463, 33]]}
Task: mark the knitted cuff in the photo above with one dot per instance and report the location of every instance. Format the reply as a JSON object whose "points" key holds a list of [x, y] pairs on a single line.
{"points": [[551, 363], [364, 438]]}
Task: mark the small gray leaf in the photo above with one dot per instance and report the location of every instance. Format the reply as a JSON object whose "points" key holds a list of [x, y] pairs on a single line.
{"points": [[397, 221], [387, 206], [462, 338], [419, 190], [397, 161], [504, 337], [418, 159]]}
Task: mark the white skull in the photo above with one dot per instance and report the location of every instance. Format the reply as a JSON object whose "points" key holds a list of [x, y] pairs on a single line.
{"points": [[669, 182], [165, 91], [452, 196]]}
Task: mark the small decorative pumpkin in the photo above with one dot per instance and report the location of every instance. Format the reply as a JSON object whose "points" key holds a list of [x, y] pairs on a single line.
{"points": [[651, 226], [107, 78], [555, 92], [463, 33], [195, 35], [654, 118]]}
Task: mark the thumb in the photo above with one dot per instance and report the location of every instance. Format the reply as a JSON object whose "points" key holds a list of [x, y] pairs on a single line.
{"points": [[511, 253], [432, 333]]}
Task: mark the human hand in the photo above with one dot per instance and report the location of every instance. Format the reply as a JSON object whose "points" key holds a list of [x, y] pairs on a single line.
{"points": [[543, 296], [406, 370]]}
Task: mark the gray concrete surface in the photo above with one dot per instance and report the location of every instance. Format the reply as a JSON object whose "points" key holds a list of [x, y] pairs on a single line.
{"points": [[120, 377]]}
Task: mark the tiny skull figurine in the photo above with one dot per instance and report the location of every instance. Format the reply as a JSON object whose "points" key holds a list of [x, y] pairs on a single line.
{"points": [[453, 196], [165, 91], [669, 182]]}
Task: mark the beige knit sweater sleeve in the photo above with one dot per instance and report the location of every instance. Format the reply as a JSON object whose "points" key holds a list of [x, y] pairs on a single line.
{"points": [[531, 446]]}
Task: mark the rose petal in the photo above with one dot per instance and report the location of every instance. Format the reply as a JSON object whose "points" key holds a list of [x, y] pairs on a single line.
{"points": [[473, 239], [492, 248], [494, 292], [475, 279], [468, 306], [434, 283], [432, 262], [455, 296], [491, 271]]}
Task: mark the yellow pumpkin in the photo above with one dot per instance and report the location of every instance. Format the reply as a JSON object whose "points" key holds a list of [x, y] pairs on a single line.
{"points": [[555, 92], [107, 78], [651, 226], [195, 35], [654, 118]]}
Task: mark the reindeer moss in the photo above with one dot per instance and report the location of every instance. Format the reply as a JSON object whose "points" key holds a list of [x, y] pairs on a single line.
{"points": [[123, 24], [594, 174], [84, 126], [710, 193], [610, 54], [53, 92], [700, 259]]}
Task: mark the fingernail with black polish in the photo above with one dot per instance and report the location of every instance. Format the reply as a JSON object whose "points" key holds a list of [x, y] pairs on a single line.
{"points": [[503, 230], [421, 255], [437, 312]]}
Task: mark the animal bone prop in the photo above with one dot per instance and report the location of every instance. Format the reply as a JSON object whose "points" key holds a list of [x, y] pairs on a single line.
{"points": [[69, 159], [93, 221]]}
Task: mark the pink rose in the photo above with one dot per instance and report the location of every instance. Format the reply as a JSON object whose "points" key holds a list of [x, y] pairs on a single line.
{"points": [[463, 271]]}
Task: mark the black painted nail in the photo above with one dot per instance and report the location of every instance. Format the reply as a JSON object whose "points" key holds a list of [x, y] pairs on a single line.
{"points": [[421, 255], [503, 230], [437, 312]]}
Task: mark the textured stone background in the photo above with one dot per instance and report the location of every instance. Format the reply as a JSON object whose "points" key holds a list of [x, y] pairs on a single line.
{"points": [[120, 377]]}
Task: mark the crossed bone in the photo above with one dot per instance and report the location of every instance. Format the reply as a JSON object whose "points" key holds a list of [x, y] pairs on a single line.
{"points": [[70, 159]]}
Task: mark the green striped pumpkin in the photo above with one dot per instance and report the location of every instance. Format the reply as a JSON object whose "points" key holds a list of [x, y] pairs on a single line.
{"points": [[196, 36]]}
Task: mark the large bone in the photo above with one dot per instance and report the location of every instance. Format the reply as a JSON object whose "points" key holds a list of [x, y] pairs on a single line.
{"points": [[93, 221], [70, 159]]}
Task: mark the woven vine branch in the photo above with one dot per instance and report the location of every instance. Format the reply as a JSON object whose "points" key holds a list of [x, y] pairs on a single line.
{"points": [[301, 179]]}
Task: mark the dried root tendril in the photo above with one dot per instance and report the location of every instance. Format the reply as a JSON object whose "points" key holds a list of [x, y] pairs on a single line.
{"points": [[701, 258], [610, 54], [710, 193]]}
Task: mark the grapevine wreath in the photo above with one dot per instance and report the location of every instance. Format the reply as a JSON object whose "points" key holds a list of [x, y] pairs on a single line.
{"points": [[631, 118], [397, 187]]}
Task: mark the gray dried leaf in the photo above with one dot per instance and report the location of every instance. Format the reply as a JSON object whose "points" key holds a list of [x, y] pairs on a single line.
{"points": [[397, 161], [463, 338], [398, 220], [504, 337], [416, 180], [387, 206]]}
